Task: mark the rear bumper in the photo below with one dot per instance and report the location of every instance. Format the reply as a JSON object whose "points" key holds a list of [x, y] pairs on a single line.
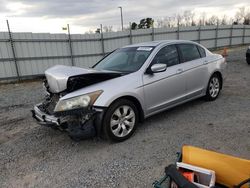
{"points": [[43, 118]]}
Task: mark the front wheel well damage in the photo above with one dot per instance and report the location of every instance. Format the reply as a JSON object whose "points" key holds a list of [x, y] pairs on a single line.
{"points": [[136, 103]]}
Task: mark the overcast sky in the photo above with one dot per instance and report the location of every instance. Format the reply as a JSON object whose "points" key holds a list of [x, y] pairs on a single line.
{"points": [[84, 15]]}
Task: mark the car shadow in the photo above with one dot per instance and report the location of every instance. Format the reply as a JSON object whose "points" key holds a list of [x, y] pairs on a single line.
{"points": [[159, 117], [56, 135]]}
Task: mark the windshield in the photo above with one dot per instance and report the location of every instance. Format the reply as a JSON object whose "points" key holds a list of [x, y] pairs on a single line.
{"points": [[125, 59]]}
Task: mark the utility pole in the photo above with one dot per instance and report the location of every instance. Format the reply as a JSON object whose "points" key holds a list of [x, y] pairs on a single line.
{"points": [[121, 17], [13, 50], [70, 46], [102, 41]]}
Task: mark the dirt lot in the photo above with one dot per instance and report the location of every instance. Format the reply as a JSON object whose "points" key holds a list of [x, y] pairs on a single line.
{"points": [[35, 156]]}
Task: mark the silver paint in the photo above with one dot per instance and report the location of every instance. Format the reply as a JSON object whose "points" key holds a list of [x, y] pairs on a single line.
{"points": [[58, 75], [155, 92]]}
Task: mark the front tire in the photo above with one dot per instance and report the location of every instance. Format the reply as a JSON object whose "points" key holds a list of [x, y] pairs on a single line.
{"points": [[213, 88], [120, 120]]}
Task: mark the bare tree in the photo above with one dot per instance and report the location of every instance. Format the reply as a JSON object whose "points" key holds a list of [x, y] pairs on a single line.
{"points": [[168, 21], [180, 20], [213, 20], [159, 23], [107, 28], [223, 20], [188, 18], [247, 18], [203, 18], [242, 16], [89, 32], [239, 16], [193, 23]]}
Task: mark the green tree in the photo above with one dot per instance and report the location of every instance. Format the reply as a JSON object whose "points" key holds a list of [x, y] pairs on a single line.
{"points": [[146, 23], [134, 26]]}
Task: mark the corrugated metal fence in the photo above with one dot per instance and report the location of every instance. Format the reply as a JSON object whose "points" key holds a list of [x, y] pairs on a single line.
{"points": [[30, 54]]}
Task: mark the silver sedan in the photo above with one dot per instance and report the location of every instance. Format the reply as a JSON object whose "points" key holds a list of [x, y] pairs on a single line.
{"points": [[127, 86]]}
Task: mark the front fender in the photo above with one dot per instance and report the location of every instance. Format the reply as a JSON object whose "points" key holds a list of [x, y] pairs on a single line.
{"points": [[106, 99]]}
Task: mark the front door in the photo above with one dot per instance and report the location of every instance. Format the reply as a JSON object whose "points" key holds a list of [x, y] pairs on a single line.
{"points": [[166, 88]]}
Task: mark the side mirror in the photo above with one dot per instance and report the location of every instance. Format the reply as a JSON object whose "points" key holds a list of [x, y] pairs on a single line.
{"points": [[158, 67]]}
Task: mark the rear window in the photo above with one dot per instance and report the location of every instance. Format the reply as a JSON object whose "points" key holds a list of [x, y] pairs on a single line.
{"points": [[189, 52], [202, 51]]}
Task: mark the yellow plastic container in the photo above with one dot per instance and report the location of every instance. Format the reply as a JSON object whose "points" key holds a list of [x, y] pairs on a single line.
{"points": [[229, 170]]}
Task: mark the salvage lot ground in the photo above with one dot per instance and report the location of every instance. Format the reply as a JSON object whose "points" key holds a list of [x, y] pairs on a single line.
{"points": [[35, 156]]}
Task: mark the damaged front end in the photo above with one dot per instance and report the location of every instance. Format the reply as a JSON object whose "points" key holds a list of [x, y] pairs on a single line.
{"points": [[76, 115], [79, 122]]}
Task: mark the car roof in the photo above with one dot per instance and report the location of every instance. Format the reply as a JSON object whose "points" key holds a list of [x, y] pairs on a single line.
{"points": [[159, 42]]}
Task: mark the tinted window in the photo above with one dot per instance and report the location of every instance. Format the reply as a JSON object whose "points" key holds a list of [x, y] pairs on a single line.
{"points": [[167, 55], [202, 51], [189, 52]]}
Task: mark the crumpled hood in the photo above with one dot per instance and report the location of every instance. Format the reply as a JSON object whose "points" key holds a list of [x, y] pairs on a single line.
{"points": [[61, 77]]}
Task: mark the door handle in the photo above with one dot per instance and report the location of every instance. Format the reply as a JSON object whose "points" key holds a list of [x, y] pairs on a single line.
{"points": [[179, 71], [205, 62]]}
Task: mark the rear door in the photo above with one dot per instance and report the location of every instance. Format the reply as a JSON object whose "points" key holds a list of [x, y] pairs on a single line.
{"points": [[194, 65]]}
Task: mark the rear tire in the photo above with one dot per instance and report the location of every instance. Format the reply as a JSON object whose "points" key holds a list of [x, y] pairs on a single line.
{"points": [[213, 88], [120, 120]]}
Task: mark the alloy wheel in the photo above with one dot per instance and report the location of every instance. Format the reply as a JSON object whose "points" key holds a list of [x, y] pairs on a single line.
{"points": [[122, 121], [214, 87]]}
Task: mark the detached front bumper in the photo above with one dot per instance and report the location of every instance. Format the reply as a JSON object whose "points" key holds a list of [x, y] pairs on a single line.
{"points": [[43, 118], [80, 124]]}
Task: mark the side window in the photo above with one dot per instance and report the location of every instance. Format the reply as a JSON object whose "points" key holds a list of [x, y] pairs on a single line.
{"points": [[167, 55], [189, 52], [202, 51]]}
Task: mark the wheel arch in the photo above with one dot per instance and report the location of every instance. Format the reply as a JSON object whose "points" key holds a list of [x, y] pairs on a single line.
{"points": [[136, 102]]}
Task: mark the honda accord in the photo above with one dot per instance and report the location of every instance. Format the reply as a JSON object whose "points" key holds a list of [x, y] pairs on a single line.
{"points": [[126, 86]]}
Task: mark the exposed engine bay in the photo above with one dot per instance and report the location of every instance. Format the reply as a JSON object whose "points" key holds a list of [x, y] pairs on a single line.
{"points": [[62, 78]]}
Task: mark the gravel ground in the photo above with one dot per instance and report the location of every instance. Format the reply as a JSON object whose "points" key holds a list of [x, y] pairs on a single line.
{"points": [[35, 156]]}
